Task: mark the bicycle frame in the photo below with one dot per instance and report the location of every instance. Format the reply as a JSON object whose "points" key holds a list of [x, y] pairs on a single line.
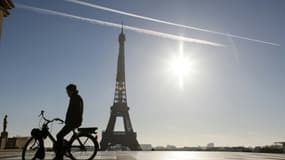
{"points": [[41, 133], [49, 135], [45, 130]]}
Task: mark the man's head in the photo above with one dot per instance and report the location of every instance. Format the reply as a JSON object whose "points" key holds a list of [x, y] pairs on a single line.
{"points": [[71, 89]]}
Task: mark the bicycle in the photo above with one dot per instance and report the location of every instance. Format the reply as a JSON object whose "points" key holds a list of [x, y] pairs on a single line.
{"points": [[83, 143]]}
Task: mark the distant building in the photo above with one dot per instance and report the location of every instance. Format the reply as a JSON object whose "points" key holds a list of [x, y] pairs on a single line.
{"points": [[170, 147], [159, 148], [11, 143], [283, 145], [14, 143], [211, 145], [146, 147]]}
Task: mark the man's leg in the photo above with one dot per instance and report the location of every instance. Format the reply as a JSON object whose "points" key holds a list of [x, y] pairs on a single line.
{"points": [[59, 146]]}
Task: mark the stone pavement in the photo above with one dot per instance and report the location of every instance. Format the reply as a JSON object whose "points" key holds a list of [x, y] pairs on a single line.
{"points": [[16, 155], [162, 155]]}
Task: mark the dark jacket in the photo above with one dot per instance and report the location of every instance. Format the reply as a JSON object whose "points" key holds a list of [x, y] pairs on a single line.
{"points": [[75, 111]]}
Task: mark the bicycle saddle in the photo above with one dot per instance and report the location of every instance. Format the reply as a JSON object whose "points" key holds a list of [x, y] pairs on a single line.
{"points": [[88, 129]]}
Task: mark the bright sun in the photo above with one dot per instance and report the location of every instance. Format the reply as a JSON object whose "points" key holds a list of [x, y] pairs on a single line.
{"points": [[181, 66]]}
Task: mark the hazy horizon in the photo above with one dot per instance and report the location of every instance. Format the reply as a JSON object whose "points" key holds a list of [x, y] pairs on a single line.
{"points": [[232, 92]]}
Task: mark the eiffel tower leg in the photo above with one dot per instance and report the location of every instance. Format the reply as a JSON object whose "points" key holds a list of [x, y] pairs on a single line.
{"points": [[135, 146], [104, 142], [111, 123], [107, 135], [127, 122]]}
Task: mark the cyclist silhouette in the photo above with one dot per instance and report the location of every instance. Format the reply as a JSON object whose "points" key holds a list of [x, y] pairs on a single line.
{"points": [[73, 118]]}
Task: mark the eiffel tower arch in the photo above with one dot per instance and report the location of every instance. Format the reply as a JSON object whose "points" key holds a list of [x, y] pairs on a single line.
{"points": [[126, 138]]}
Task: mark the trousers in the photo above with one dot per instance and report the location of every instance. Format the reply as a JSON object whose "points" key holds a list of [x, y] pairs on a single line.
{"points": [[60, 137]]}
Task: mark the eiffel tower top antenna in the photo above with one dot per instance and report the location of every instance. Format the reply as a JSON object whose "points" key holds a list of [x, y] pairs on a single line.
{"points": [[122, 27]]}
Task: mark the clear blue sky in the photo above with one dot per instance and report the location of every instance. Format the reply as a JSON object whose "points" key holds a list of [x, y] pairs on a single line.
{"points": [[235, 97]]}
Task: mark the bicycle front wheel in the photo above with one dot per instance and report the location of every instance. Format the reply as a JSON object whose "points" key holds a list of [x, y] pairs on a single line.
{"points": [[30, 149], [83, 146]]}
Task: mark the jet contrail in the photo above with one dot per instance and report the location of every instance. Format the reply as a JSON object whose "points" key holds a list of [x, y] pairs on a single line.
{"points": [[167, 22], [110, 24]]}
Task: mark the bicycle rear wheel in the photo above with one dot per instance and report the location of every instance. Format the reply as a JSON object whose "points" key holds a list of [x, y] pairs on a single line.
{"points": [[83, 146]]}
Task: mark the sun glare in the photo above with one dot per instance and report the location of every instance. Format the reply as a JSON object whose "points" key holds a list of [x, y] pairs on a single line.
{"points": [[180, 66]]}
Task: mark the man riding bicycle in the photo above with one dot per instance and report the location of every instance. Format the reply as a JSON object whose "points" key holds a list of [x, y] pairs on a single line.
{"points": [[73, 118]]}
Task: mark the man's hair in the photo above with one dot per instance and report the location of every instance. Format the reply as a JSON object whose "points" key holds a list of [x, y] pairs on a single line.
{"points": [[72, 87]]}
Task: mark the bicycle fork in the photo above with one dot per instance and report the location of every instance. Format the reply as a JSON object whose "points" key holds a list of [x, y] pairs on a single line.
{"points": [[41, 150]]}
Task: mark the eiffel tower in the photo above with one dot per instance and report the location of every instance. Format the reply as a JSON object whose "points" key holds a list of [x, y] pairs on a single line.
{"points": [[127, 138]]}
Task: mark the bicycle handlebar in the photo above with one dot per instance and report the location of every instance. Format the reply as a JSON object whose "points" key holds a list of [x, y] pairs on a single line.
{"points": [[50, 121], [58, 119]]}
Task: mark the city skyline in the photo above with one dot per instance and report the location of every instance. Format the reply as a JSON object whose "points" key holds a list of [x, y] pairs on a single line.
{"points": [[231, 94]]}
